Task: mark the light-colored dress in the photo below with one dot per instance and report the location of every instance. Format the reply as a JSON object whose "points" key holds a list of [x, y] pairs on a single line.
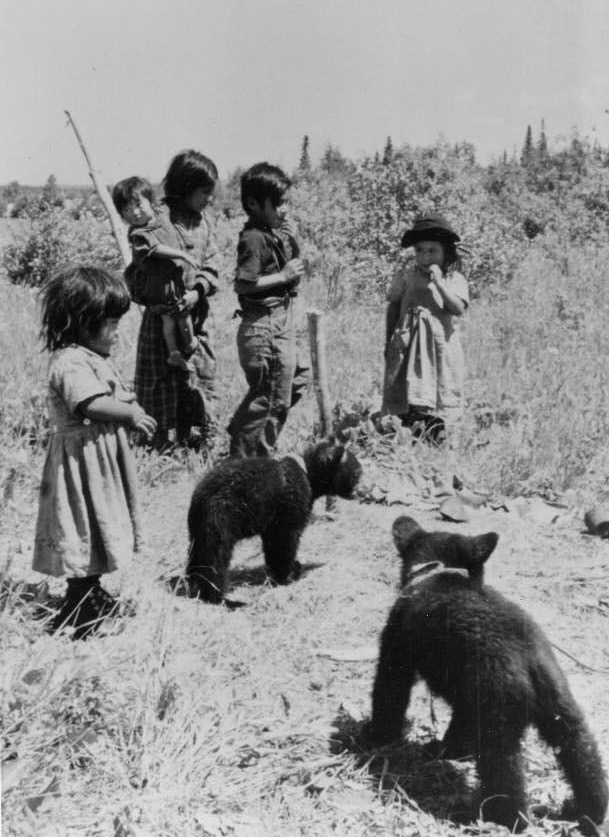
{"points": [[88, 513], [424, 367]]}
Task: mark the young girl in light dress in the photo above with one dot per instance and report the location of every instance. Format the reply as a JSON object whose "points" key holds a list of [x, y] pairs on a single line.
{"points": [[88, 515], [424, 366]]}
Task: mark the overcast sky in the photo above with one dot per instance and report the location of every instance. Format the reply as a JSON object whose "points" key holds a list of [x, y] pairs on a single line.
{"points": [[244, 80]]}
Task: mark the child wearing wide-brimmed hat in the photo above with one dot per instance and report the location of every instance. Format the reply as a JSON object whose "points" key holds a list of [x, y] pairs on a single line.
{"points": [[424, 367]]}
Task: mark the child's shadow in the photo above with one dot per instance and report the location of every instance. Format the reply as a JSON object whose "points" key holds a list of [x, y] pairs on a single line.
{"points": [[237, 577], [435, 786]]}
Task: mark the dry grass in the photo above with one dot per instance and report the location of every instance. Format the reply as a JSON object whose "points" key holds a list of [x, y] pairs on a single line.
{"points": [[193, 720]]}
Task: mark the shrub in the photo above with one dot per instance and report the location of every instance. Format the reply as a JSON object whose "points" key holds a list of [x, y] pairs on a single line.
{"points": [[54, 238], [537, 242]]}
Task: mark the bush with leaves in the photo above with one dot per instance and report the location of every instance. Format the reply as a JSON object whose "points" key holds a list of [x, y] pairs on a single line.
{"points": [[354, 221], [53, 238]]}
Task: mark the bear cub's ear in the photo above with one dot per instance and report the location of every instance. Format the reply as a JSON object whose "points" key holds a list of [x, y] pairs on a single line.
{"points": [[417, 546], [403, 530], [482, 547], [326, 452], [473, 552]]}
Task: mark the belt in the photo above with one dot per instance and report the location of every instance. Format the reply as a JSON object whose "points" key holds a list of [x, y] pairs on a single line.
{"points": [[259, 302]]}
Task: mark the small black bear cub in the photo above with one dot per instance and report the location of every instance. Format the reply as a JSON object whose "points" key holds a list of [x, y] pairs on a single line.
{"points": [[272, 498], [492, 664]]}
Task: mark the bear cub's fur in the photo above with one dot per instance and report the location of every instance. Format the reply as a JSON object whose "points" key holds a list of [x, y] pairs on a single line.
{"points": [[492, 664], [272, 498]]}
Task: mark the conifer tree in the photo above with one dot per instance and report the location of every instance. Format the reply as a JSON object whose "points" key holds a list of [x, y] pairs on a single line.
{"points": [[333, 162], [388, 152], [527, 149], [542, 143], [304, 165], [50, 191]]}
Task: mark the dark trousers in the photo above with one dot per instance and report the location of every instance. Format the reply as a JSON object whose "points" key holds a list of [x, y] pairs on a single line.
{"points": [[266, 343]]}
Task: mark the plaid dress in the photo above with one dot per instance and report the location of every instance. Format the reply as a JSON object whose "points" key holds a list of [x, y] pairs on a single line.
{"points": [[177, 399]]}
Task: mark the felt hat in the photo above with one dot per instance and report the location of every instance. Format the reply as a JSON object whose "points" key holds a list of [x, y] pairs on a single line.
{"points": [[429, 228]]}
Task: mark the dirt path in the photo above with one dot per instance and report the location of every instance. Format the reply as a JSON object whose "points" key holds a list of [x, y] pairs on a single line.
{"points": [[555, 571], [266, 687]]}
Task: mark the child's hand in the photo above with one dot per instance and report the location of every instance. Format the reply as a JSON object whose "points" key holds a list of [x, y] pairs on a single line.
{"points": [[435, 274], [293, 270], [185, 303], [141, 421], [287, 227]]}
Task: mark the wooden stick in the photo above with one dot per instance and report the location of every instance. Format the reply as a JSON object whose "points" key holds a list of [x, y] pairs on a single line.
{"points": [[116, 224], [317, 342]]}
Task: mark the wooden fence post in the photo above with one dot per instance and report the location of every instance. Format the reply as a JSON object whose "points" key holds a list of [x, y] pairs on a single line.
{"points": [[317, 342], [116, 225]]}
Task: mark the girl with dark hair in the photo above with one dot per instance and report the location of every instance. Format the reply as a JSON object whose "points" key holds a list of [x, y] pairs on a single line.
{"points": [[178, 397], [424, 365], [88, 515], [188, 172]]}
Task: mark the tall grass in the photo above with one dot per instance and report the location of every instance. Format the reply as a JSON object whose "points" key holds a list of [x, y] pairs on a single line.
{"points": [[536, 412], [194, 720], [535, 356]]}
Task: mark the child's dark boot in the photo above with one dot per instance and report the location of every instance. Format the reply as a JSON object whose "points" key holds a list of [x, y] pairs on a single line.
{"points": [[86, 605], [435, 430], [103, 603]]}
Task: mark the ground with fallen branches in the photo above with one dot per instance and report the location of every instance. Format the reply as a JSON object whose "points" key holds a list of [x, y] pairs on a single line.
{"points": [[199, 720]]}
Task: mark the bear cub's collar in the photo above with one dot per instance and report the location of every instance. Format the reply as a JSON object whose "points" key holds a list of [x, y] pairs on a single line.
{"points": [[421, 572]]}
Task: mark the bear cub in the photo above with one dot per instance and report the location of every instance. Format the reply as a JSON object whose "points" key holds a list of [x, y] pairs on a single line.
{"points": [[272, 498], [492, 664]]}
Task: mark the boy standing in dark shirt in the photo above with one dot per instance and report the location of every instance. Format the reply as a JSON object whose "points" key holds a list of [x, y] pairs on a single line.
{"points": [[268, 272]]}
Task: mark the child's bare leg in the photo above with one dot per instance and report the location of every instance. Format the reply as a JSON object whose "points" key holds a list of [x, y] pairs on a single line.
{"points": [[187, 334], [170, 335]]}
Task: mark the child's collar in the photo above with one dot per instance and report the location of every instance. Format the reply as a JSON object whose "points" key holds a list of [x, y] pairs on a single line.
{"points": [[253, 224], [152, 225], [176, 208], [86, 350]]}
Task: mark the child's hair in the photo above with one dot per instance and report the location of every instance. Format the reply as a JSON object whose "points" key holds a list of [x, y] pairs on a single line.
{"points": [[452, 257], [189, 170], [125, 190], [77, 300], [263, 181]]}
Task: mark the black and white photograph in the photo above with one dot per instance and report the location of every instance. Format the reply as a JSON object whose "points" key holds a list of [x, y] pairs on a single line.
{"points": [[304, 418]]}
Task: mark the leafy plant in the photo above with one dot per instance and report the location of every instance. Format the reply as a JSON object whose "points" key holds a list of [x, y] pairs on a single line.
{"points": [[54, 238]]}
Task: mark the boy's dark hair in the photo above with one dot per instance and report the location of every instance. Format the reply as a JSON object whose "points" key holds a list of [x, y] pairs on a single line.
{"points": [[189, 170], [263, 181], [126, 189], [77, 300]]}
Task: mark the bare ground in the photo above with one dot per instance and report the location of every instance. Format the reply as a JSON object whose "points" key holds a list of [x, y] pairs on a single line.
{"points": [[193, 719]]}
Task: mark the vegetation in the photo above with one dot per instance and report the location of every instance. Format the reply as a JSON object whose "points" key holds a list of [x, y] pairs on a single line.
{"points": [[535, 242], [188, 719]]}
